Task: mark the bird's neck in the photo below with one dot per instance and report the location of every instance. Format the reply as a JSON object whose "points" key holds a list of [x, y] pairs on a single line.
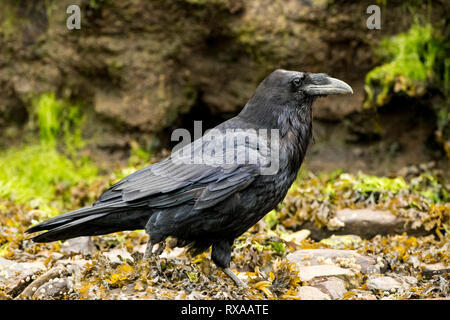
{"points": [[295, 128], [294, 125]]}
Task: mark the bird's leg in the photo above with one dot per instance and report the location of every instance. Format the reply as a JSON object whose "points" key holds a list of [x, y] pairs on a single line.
{"points": [[161, 247], [148, 250], [234, 277], [221, 255]]}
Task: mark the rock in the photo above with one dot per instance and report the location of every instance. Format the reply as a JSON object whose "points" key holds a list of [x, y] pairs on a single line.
{"points": [[16, 276], [368, 223], [365, 223], [73, 266], [56, 256], [79, 245], [364, 294], [56, 288], [311, 293], [408, 281], [343, 258], [383, 283], [155, 76], [309, 273], [333, 286], [429, 270], [31, 289], [297, 237], [118, 256]]}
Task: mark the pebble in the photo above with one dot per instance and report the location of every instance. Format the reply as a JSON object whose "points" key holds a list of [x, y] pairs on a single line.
{"points": [[15, 276], [307, 273], [333, 286], [383, 283], [297, 237], [311, 293], [340, 258], [430, 270]]}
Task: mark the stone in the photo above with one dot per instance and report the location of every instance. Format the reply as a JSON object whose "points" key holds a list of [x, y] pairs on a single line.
{"points": [[365, 223], [56, 256], [345, 258], [79, 245], [430, 270], [54, 289], [297, 237], [56, 272], [408, 281], [307, 273], [311, 293], [364, 294], [383, 283], [333, 286], [368, 223], [15, 276], [73, 266]]}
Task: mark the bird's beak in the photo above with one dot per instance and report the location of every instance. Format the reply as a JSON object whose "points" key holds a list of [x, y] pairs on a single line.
{"points": [[323, 85]]}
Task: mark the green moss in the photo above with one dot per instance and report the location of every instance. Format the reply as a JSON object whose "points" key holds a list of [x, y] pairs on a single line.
{"points": [[278, 247], [366, 184], [40, 171], [414, 62], [431, 188], [58, 121], [48, 112]]}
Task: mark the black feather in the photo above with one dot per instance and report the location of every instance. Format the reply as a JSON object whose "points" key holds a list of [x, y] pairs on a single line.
{"points": [[206, 204]]}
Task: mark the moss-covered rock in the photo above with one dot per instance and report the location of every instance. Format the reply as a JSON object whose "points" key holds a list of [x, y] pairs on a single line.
{"points": [[144, 63]]}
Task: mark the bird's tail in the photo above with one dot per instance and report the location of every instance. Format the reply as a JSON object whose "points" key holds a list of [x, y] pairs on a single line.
{"points": [[90, 221]]}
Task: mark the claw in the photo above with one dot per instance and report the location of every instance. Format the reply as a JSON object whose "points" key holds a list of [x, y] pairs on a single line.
{"points": [[236, 280], [149, 249], [160, 249]]}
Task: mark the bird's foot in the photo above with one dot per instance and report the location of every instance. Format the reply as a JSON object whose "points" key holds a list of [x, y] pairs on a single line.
{"points": [[235, 279], [160, 249], [149, 250]]}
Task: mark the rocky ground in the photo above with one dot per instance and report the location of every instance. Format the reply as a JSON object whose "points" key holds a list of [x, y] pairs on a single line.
{"points": [[337, 236]]}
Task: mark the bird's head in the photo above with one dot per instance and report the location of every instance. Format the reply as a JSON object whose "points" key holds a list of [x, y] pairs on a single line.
{"points": [[294, 85], [284, 89]]}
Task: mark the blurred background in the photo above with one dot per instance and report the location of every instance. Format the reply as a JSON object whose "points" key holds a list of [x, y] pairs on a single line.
{"points": [[76, 104]]}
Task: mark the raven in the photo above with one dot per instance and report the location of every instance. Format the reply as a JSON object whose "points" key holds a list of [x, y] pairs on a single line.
{"points": [[217, 197]]}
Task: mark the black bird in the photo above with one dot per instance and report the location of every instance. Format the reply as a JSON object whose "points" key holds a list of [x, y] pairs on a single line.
{"points": [[211, 202]]}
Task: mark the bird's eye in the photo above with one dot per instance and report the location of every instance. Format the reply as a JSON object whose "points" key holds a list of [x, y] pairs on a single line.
{"points": [[297, 81]]}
